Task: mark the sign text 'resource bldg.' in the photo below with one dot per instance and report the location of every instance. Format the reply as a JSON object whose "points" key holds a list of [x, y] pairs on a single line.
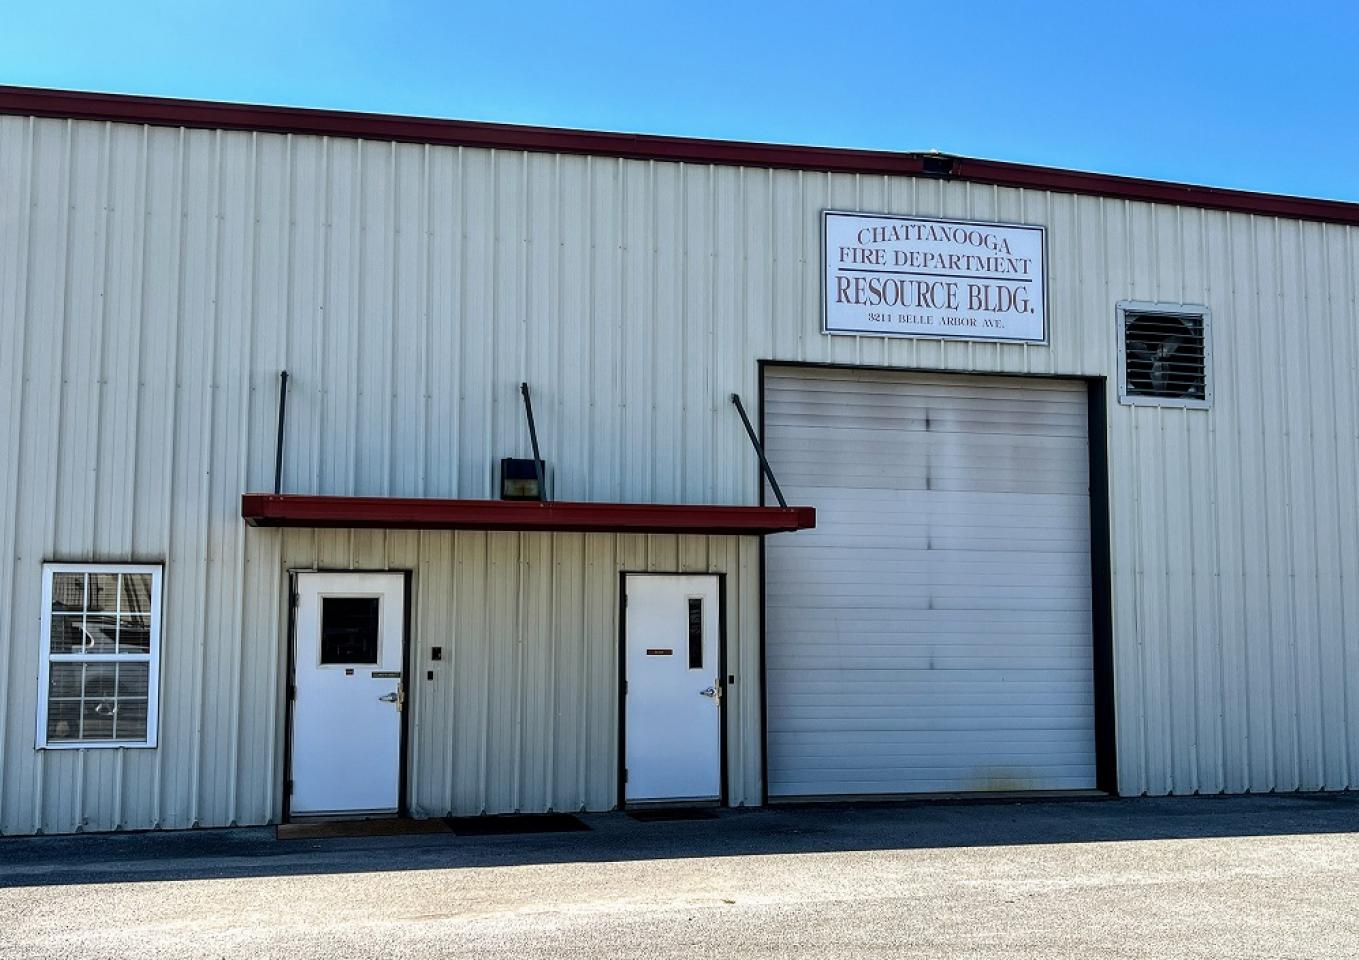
{"points": [[909, 277]]}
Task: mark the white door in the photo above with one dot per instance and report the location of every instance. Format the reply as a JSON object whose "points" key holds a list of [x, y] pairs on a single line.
{"points": [[933, 633], [349, 688], [673, 693]]}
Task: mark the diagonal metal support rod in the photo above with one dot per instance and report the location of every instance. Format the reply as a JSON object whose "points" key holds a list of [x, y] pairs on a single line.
{"points": [[533, 436], [759, 449], [278, 444]]}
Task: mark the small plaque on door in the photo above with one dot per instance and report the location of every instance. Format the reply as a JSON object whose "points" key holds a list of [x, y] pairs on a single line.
{"points": [[385, 674], [660, 652]]}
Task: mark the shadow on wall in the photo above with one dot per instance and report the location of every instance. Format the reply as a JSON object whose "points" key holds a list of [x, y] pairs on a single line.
{"points": [[784, 830]]}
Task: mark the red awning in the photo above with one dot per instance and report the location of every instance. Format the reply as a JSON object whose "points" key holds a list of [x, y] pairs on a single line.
{"points": [[399, 513]]}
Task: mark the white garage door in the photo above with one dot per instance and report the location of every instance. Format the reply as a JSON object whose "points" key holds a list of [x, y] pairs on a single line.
{"points": [[933, 633]]}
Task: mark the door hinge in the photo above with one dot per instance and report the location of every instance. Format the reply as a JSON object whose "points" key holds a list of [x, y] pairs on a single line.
{"points": [[625, 774], [292, 691], [293, 600], [288, 788]]}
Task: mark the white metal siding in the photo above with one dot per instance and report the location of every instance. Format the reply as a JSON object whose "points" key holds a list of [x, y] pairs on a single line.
{"points": [[933, 633], [153, 281], [522, 714]]}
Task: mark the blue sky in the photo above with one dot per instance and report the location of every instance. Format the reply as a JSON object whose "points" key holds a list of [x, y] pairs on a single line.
{"points": [[1251, 95]]}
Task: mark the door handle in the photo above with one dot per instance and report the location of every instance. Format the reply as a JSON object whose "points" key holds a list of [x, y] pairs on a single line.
{"points": [[397, 696], [710, 692]]}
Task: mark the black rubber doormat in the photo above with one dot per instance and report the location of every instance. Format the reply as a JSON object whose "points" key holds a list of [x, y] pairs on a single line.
{"points": [[515, 823], [666, 814], [377, 827]]}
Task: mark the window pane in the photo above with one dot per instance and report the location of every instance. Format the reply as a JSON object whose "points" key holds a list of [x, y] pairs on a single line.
{"points": [[133, 679], [134, 634], [68, 634], [349, 629], [68, 591], [100, 680], [695, 633], [96, 718], [64, 680], [63, 720], [103, 592], [136, 596], [101, 634], [130, 720]]}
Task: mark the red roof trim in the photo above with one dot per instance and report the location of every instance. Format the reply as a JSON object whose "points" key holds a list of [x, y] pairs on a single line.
{"points": [[29, 101], [397, 513]]}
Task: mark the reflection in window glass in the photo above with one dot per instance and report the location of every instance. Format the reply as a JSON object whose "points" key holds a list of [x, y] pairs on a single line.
{"points": [[100, 639], [101, 633], [103, 592], [68, 633], [695, 633], [135, 594], [134, 634], [349, 630], [68, 591]]}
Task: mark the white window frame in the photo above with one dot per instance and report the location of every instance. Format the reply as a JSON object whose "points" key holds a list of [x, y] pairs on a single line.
{"points": [[46, 657]]}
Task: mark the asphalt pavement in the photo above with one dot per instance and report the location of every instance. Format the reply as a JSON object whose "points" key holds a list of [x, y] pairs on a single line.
{"points": [[1268, 876]]}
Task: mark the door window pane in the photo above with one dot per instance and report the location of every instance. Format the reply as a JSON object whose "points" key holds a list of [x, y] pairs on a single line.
{"points": [[695, 633], [349, 630]]}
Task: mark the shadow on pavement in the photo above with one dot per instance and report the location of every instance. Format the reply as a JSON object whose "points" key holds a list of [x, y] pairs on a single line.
{"points": [[782, 830]]}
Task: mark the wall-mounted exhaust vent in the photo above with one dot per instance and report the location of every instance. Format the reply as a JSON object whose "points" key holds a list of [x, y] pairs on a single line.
{"points": [[1164, 355]]}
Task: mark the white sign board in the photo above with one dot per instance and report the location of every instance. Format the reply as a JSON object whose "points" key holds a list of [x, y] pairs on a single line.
{"points": [[910, 277]]}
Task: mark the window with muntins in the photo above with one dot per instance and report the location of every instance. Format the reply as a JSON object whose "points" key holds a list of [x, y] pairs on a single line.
{"points": [[98, 673]]}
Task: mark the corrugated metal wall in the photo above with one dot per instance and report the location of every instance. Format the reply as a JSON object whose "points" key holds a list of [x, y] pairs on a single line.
{"points": [[522, 713], [153, 281]]}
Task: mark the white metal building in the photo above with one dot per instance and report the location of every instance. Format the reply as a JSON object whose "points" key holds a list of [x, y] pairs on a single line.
{"points": [[1069, 462]]}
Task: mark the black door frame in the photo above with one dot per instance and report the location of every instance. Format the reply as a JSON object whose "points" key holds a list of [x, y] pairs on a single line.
{"points": [[722, 676], [290, 683], [1101, 561]]}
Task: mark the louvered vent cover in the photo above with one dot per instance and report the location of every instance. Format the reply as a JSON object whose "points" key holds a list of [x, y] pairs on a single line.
{"points": [[1164, 355]]}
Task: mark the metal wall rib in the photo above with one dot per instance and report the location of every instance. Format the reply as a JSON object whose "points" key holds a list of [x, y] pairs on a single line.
{"points": [[153, 281]]}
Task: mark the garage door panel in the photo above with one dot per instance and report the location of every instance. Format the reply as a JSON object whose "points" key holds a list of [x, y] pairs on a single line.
{"points": [[883, 683], [885, 500], [942, 597], [846, 752], [933, 633], [884, 626], [956, 566], [808, 642], [944, 586], [938, 462], [886, 388]]}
